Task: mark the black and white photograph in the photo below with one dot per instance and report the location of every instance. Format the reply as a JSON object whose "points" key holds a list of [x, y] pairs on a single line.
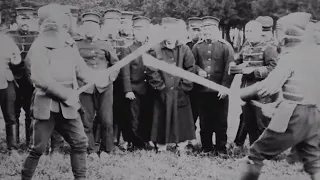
{"points": [[159, 90]]}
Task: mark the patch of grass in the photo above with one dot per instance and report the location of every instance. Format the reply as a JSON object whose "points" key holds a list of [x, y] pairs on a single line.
{"points": [[148, 165]]}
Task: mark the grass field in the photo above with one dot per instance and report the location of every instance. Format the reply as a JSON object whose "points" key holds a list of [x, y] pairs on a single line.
{"points": [[147, 165]]}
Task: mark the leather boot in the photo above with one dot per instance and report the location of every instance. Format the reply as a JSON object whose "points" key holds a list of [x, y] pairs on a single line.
{"points": [[30, 166], [27, 132], [79, 165], [315, 176], [250, 170], [11, 133]]}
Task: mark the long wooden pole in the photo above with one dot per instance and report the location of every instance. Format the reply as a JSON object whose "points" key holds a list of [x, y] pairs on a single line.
{"points": [[176, 71]]}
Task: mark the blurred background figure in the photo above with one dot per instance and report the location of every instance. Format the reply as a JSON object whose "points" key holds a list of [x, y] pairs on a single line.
{"points": [[23, 38]]}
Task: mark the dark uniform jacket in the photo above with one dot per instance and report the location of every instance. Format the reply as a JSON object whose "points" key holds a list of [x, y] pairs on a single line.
{"points": [[24, 41], [214, 58], [98, 55], [134, 74]]}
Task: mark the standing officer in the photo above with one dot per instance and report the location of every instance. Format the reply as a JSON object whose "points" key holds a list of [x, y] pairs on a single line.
{"points": [[110, 32], [136, 88], [10, 55], [212, 57], [256, 60], [97, 100], [23, 37], [55, 67]]}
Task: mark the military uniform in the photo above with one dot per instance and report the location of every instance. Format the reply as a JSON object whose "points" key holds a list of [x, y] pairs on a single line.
{"points": [[24, 88], [137, 125], [112, 19], [7, 89], [213, 57], [55, 66], [296, 119], [263, 58], [98, 54]]}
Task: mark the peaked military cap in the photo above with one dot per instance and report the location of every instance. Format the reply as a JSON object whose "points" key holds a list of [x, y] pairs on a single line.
{"points": [[91, 16], [266, 22], [194, 22], [141, 21], [169, 20], [26, 12], [112, 14], [210, 21]]}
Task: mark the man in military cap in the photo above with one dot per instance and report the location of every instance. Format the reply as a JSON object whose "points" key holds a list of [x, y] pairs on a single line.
{"points": [[194, 28], [110, 32], [295, 120], [55, 67], [10, 54], [212, 57], [256, 60], [97, 100], [172, 115], [23, 37], [126, 31], [136, 89], [267, 34]]}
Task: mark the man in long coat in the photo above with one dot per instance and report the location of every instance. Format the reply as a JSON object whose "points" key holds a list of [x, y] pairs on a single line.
{"points": [[172, 118]]}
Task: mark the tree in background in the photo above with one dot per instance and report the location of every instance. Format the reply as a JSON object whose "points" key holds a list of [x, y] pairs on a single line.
{"points": [[233, 13]]}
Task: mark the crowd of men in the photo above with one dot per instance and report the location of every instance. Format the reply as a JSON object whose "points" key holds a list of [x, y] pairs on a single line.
{"points": [[43, 73]]}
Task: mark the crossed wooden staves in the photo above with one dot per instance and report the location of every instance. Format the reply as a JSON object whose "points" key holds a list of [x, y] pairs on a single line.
{"points": [[151, 61]]}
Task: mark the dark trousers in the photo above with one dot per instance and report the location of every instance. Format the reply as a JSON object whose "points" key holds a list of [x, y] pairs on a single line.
{"points": [[72, 131], [7, 102], [302, 132], [24, 95], [136, 111], [213, 115], [118, 112], [242, 132], [251, 115], [98, 106]]}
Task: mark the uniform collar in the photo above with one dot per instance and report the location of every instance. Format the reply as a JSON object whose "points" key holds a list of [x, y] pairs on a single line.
{"points": [[21, 32]]}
